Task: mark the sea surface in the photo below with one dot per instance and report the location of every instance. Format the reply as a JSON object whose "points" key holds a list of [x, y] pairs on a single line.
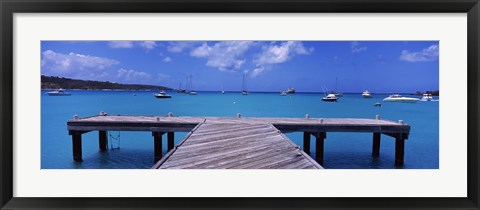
{"points": [[134, 150]]}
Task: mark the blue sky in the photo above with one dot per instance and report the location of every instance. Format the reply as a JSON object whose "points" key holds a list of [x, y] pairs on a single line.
{"points": [[308, 66]]}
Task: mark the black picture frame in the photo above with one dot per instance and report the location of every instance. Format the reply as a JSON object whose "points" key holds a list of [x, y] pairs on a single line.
{"points": [[10, 7]]}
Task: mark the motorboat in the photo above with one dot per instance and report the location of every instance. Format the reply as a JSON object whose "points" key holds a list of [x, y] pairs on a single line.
{"points": [[290, 90], [192, 93], [162, 94], [427, 97], [377, 104], [59, 92], [366, 94], [283, 93], [330, 98], [399, 98], [244, 92]]}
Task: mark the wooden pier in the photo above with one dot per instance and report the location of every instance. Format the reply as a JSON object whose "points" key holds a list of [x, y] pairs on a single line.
{"points": [[236, 142]]}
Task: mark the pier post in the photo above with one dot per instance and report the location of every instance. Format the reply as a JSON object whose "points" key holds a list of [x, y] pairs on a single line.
{"points": [[376, 145], [77, 145], [157, 142], [170, 137], [320, 138], [306, 142], [399, 150], [102, 140]]}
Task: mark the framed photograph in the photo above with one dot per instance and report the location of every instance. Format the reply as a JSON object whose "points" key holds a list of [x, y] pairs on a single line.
{"points": [[252, 105]]}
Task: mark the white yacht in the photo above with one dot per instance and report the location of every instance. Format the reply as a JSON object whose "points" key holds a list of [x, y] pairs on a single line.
{"points": [[290, 90], [399, 98], [427, 97], [330, 98], [162, 94], [283, 93], [59, 92], [366, 94]]}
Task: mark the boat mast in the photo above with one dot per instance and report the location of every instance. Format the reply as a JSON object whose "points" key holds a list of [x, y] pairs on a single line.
{"points": [[243, 82]]}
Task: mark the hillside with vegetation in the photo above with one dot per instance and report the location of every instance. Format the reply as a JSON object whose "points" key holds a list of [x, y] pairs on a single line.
{"points": [[51, 82]]}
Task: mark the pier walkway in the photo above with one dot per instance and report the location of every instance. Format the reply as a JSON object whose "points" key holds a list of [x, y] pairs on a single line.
{"points": [[236, 142]]}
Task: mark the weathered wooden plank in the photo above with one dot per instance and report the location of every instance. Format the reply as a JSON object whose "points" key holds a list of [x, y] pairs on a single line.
{"points": [[230, 145], [243, 156], [265, 143], [206, 140], [183, 159], [174, 124], [254, 157]]}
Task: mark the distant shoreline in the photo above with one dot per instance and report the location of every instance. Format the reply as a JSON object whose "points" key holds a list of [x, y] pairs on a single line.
{"points": [[219, 91]]}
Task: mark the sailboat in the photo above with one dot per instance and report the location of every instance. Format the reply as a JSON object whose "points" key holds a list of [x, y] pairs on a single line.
{"points": [[188, 87], [190, 90], [180, 90], [244, 89], [336, 93], [223, 91]]}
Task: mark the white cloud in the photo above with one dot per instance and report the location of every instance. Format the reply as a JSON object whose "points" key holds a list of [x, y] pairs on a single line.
{"points": [[357, 47], [148, 45], [121, 44], [125, 75], [74, 65], [225, 56], [167, 60], [260, 69], [427, 54], [283, 52], [178, 47], [162, 77]]}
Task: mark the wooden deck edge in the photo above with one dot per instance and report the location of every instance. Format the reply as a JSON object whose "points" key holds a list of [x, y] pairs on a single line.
{"points": [[305, 155], [169, 154]]}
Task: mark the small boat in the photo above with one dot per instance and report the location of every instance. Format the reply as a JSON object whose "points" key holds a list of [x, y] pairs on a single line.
{"points": [[399, 98], [162, 94], [330, 98], [338, 94], [427, 97], [283, 93], [59, 92], [290, 90], [244, 89], [192, 93], [366, 94], [377, 104]]}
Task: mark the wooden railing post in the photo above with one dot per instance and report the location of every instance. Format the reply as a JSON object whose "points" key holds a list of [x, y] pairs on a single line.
{"points": [[319, 146], [171, 138], [376, 145], [306, 142], [77, 145], [102, 140], [399, 150], [157, 144]]}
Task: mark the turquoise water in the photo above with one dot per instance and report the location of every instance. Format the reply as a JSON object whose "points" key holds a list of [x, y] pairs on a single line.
{"points": [[135, 149]]}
